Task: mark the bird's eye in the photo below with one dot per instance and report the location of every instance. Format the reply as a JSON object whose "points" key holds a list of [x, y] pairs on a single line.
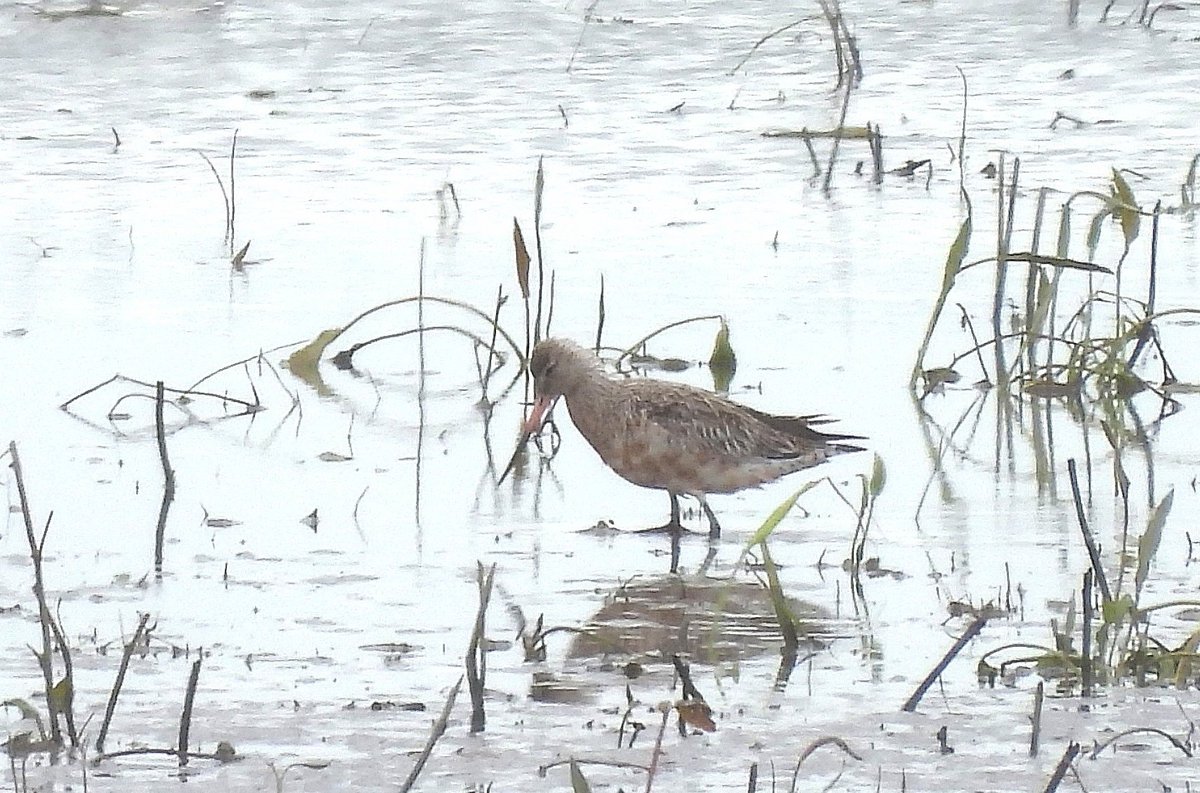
{"points": [[549, 368]]}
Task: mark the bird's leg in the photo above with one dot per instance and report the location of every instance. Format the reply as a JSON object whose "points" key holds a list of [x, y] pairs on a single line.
{"points": [[714, 526], [673, 526]]}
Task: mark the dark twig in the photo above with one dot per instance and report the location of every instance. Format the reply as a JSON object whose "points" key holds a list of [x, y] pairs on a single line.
{"points": [[665, 709], [637, 345], [476, 655], [587, 17], [168, 478], [600, 317], [256, 357], [685, 678], [1061, 769], [1178, 744], [1093, 551], [45, 657], [974, 628], [814, 746], [130, 647], [765, 39], [1085, 657], [232, 191], [224, 194], [250, 407], [143, 750], [841, 126], [1036, 733], [487, 371], [185, 719], [542, 769], [439, 729], [344, 359]]}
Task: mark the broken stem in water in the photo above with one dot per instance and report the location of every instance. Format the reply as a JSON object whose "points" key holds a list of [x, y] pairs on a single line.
{"points": [[665, 709], [972, 629], [168, 478], [130, 647], [45, 657], [185, 718], [439, 729], [476, 660]]}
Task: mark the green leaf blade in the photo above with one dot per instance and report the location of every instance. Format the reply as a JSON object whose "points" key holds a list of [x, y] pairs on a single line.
{"points": [[579, 783], [777, 515], [1149, 542]]}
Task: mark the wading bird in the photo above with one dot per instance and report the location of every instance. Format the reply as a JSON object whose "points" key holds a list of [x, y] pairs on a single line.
{"points": [[671, 436]]}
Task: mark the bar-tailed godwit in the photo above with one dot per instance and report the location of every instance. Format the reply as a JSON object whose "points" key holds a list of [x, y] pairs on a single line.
{"points": [[671, 436]]}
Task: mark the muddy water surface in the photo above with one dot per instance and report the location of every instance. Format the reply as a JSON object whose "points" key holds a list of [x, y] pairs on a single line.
{"points": [[350, 119]]}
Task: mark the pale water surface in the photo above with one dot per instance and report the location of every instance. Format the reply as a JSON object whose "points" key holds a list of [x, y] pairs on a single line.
{"points": [[351, 117]]}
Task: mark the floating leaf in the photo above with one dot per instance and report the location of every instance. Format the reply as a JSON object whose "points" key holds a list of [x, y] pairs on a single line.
{"points": [[954, 260], [1049, 389], [696, 713], [1114, 612], [1187, 653], [522, 259], [304, 363], [1069, 622], [958, 252], [845, 133], [722, 363], [539, 185], [311, 520], [1064, 231], [1093, 236], [1148, 544], [878, 477], [239, 258], [1045, 291], [1126, 207], [938, 376], [60, 696], [579, 783]]}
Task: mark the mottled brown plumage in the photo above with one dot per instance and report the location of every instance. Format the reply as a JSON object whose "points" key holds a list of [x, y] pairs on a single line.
{"points": [[674, 437]]}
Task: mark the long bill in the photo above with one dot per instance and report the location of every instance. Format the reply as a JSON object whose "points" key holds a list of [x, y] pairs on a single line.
{"points": [[541, 407]]}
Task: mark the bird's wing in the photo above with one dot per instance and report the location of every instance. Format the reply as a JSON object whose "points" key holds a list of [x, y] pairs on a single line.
{"points": [[698, 422]]}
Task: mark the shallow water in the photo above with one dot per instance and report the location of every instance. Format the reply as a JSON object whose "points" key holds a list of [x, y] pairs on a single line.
{"points": [[114, 261]]}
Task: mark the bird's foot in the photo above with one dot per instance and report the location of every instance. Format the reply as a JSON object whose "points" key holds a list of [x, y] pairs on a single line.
{"points": [[670, 527]]}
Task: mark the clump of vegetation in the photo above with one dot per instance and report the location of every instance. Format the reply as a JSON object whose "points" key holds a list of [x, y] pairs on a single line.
{"points": [[1074, 330], [1063, 323], [1111, 637]]}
